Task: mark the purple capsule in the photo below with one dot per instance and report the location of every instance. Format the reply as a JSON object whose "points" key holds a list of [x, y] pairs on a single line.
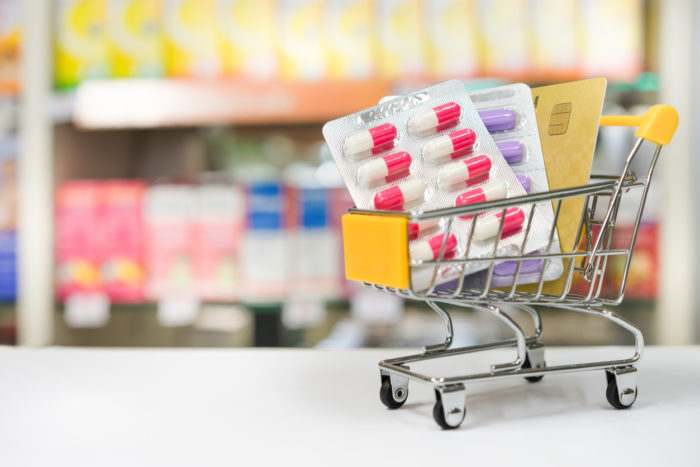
{"points": [[525, 182], [512, 151], [508, 268], [498, 119]]}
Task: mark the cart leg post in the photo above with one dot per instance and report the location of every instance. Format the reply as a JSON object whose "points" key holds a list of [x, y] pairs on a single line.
{"points": [[521, 343], [536, 319], [449, 331]]}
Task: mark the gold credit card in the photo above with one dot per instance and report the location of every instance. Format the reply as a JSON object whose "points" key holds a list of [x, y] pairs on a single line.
{"points": [[568, 117]]}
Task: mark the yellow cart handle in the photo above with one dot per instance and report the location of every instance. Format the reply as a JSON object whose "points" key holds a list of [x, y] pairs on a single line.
{"points": [[658, 124]]}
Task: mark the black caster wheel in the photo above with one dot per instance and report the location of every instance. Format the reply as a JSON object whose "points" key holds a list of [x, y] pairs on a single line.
{"points": [[612, 393], [527, 364], [439, 414], [393, 399]]}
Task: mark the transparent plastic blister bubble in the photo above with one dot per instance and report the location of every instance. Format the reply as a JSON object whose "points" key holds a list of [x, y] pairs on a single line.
{"points": [[415, 187], [529, 167]]}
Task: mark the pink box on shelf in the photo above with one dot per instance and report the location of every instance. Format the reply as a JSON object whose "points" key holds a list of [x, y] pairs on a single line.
{"points": [[122, 240], [76, 246]]}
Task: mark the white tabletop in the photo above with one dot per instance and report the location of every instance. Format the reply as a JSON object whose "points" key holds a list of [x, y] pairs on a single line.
{"points": [[91, 407]]}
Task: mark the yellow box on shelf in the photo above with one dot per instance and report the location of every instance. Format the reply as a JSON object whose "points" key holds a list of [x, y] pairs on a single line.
{"points": [[10, 40], [401, 38], [246, 30], [453, 49], [81, 45], [135, 38], [349, 34], [300, 40], [192, 48]]}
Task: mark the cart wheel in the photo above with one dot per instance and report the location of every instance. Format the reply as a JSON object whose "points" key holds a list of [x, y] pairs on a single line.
{"points": [[527, 364], [439, 414], [393, 399], [613, 393]]}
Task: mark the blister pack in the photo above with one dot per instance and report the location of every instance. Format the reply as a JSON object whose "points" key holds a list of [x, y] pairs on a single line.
{"points": [[509, 116], [430, 150]]}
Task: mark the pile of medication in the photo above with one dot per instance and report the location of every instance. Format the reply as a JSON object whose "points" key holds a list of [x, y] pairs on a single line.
{"points": [[430, 150]]}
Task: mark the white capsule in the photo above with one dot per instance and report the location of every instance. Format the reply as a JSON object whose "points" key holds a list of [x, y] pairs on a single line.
{"points": [[416, 228], [423, 122], [397, 196], [464, 170], [492, 191], [435, 119], [391, 164], [359, 143], [454, 144], [429, 249], [438, 148], [421, 251], [487, 226], [371, 141]]}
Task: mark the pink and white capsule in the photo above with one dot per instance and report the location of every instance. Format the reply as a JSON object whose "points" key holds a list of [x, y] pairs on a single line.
{"points": [[464, 170], [416, 228], [487, 226], [489, 192], [383, 167], [372, 141], [429, 249], [453, 144], [395, 197], [436, 119]]}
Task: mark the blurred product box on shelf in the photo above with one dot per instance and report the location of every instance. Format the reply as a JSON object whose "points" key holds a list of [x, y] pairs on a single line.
{"points": [[452, 40], [316, 245], [168, 214], [612, 38], [135, 38], [247, 29], [556, 38], [8, 221], [642, 279], [81, 44], [350, 44], [401, 37], [8, 265], [220, 219], [266, 254], [77, 211], [504, 27], [100, 240], [120, 234], [191, 44], [10, 34], [300, 40], [341, 201]]}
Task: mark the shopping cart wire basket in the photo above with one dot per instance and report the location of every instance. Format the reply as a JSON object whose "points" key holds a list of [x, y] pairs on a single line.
{"points": [[376, 253]]}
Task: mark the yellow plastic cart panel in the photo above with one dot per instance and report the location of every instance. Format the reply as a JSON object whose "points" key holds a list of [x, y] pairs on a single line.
{"points": [[376, 249]]}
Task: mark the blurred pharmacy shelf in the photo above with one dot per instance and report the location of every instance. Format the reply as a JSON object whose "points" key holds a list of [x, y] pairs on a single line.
{"points": [[158, 103], [56, 149], [149, 103]]}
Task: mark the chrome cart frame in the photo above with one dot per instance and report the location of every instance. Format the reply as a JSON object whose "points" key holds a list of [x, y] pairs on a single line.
{"points": [[587, 258]]}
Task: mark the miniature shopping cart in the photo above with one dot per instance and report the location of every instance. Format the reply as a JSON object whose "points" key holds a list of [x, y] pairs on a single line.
{"points": [[376, 253]]}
